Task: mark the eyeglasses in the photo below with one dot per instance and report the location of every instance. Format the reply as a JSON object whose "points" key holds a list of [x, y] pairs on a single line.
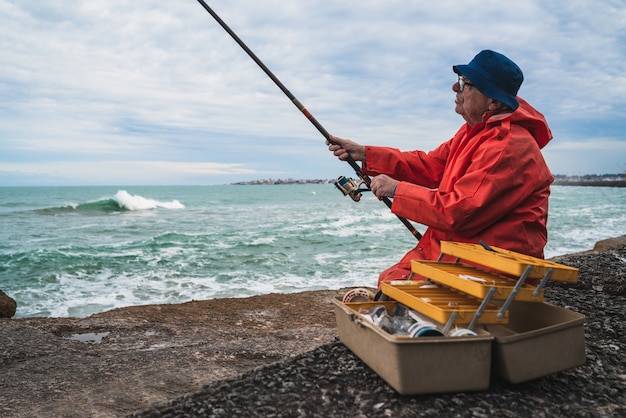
{"points": [[463, 83]]}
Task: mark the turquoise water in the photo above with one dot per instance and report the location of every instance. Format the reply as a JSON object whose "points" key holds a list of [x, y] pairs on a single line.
{"points": [[74, 251]]}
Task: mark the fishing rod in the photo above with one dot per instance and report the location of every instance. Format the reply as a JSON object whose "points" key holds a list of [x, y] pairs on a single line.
{"points": [[346, 185]]}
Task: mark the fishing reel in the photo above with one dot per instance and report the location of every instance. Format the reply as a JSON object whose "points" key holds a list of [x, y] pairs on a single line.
{"points": [[350, 188]]}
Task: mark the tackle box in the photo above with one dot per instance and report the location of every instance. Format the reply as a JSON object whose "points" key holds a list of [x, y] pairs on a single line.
{"points": [[413, 366], [520, 337]]}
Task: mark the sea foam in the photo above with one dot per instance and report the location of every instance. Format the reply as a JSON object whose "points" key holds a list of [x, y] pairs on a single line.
{"points": [[135, 202]]}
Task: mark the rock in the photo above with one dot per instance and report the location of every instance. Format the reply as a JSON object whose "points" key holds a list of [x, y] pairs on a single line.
{"points": [[116, 362], [610, 243], [7, 305]]}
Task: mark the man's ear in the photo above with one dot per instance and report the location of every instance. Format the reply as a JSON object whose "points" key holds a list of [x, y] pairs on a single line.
{"points": [[495, 105]]}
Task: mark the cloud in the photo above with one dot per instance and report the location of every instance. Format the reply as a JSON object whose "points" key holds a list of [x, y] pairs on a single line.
{"points": [[121, 81]]}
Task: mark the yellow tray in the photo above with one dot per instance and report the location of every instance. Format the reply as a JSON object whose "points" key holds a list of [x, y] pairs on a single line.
{"points": [[439, 303], [474, 281], [509, 262]]}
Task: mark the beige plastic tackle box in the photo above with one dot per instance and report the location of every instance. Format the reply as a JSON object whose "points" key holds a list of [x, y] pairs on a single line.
{"points": [[526, 337], [415, 366]]}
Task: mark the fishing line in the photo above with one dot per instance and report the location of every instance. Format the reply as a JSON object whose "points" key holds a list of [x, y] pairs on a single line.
{"points": [[359, 172]]}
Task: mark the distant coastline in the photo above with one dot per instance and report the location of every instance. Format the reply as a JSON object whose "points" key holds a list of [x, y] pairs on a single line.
{"points": [[606, 180], [281, 181], [616, 183]]}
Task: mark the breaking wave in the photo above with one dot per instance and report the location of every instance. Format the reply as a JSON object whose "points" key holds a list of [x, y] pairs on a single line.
{"points": [[120, 202]]}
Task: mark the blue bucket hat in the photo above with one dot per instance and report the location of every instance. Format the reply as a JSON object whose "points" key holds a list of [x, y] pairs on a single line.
{"points": [[494, 75]]}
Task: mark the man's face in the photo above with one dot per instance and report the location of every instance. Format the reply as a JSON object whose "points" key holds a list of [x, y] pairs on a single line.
{"points": [[470, 103]]}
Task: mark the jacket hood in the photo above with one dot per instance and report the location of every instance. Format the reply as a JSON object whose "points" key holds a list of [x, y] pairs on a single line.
{"points": [[531, 119]]}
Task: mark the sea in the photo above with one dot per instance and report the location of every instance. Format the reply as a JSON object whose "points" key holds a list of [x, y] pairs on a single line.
{"points": [[76, 251]]}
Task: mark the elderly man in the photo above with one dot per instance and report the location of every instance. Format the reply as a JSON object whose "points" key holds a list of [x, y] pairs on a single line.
{"points": [[488, 183]]}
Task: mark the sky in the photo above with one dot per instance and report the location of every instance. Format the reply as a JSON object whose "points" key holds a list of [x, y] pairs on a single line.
{"points": [[136, 92]]}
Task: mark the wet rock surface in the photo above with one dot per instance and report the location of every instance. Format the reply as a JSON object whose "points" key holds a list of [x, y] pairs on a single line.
{"points": [[116, 362], [278, 355], [7, 305]]}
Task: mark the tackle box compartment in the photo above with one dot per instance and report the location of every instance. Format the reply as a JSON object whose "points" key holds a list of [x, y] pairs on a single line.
{"points": [[441, 302], [540, 339], [475, 281], [413, 366], [509, 262]]}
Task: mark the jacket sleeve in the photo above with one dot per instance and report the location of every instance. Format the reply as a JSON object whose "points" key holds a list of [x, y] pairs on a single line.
{"points": [[418, 167], [501, 174]]}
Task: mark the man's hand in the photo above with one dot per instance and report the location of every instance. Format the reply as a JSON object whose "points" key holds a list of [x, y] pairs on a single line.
{"points": [[383, 186], [344, 148]]}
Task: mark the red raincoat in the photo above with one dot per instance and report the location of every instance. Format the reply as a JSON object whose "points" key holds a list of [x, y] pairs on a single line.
{"points": [[489, 182]]}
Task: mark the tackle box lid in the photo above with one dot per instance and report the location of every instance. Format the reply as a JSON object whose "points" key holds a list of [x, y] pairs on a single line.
{"points": [[475, 281], [509, 262], [440, 302]]}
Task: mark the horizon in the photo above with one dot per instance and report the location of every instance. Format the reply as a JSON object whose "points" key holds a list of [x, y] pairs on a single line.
{"points": [[264, 181]]}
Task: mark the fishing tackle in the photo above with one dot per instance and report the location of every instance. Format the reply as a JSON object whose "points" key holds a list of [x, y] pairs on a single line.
{"points": [[350, 188], [360, 173]]}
